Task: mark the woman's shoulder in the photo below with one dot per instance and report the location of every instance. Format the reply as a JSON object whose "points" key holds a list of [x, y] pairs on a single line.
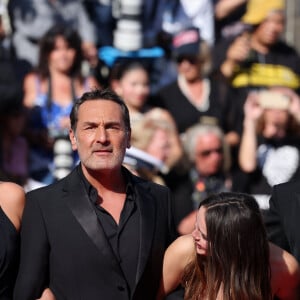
{"points": [[32, 88], [12, 201], [32, 79], [285, 270], [183, 248]]}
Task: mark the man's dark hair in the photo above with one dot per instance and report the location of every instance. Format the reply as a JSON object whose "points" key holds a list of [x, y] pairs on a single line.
{"points": [[99, 94]]}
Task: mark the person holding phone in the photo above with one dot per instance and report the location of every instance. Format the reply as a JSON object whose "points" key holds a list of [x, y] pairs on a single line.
{"points": [[270, 150]]}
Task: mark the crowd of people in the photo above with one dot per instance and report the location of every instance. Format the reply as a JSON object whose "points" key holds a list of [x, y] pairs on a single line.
{"points": [[209, 130]]}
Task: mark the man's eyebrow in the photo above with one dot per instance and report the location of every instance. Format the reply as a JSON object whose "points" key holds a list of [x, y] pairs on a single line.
{"points": [[86, 123]]}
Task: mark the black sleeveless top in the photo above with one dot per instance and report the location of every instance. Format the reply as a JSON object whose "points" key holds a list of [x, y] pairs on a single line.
{"points": [[9, 256]]}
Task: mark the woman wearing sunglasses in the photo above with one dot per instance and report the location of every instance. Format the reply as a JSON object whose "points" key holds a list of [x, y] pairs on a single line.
{"points": [[193, 94]]}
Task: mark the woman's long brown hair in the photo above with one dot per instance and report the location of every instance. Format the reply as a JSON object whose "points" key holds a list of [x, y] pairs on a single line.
{"points": [[237, 260]]}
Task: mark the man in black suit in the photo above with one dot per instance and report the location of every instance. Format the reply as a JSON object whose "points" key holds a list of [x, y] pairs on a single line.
{"points": [[282, 218], [101, 232]]}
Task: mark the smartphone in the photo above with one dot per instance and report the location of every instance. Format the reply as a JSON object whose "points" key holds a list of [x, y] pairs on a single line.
{"points": [[273, 99]]}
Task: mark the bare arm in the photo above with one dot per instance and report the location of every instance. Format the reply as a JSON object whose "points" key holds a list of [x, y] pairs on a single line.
{"points": [[225, 7], [285, 274], [176, 258], [248, 147], [236, 53], [12, 202], [29, 87]]}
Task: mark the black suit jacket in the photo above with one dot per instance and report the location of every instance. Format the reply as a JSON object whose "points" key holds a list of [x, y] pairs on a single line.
{"points": [[64, 246], [283, 218]]}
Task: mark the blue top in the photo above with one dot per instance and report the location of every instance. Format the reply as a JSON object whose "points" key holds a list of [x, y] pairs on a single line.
{"points": [[47, 115]]}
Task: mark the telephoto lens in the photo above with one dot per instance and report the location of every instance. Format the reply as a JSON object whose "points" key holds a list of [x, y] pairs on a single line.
{"points": [[63, 157], [128, 34]]}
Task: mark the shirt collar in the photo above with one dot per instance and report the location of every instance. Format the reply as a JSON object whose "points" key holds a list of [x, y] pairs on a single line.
{"points": [[92, 192]]}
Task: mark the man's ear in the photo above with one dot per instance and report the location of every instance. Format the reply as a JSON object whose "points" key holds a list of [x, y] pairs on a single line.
{"points": [[73, 139]]}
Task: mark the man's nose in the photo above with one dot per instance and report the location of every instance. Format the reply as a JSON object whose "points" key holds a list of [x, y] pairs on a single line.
{"points": [[101, 134]]}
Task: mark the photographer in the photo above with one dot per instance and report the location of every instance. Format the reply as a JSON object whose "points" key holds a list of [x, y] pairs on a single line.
{"points": [[270, 150]]}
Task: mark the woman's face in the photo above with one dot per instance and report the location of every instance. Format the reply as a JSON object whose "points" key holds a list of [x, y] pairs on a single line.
{"points": [[134, 88], [62, 56], [276, 121], [189, 67], [200, 233], [159, 145]]}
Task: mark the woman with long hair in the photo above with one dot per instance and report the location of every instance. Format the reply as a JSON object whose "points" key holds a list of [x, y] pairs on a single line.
{"points": [[49, 95], [228, 256]]}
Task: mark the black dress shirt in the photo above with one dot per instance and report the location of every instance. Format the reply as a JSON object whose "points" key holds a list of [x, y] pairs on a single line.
{"points": [[124, 238]]}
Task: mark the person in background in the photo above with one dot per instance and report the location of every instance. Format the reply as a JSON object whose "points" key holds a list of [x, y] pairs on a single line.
{"points": [[153, 136], [208, 172], [175, 153], [193, 92], [31, 19], [49, 94], [269, 152], [228, 14], [100, 232], [216, 261], [256, 59], [130, 80], [14, 149], [282, 217], [12, 203]]}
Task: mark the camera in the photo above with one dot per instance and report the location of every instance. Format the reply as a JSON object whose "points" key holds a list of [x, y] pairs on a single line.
{"points": [[63, 157], [128, 34], [273, 100]]}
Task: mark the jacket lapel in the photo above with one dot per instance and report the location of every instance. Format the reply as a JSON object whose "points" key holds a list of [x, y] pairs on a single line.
{"points": [[82, 209], [147, 209]]}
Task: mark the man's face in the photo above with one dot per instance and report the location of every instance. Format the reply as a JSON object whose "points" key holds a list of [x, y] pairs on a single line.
{"points": [[101, 137], [269, 31], [208, 154]]}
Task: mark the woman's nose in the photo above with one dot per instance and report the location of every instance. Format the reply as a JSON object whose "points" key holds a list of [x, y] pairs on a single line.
{"points": [[195, 234]]}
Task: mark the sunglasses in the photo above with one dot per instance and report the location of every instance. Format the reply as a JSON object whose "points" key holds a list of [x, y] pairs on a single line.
{"points": [[206, 153], [192, 59]]}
